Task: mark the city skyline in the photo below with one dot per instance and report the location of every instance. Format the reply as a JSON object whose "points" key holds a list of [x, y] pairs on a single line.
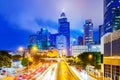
{"points": [[17, 23]]}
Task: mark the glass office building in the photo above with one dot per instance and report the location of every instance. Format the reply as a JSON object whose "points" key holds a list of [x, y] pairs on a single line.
{"points": [[111, 15], [64, 29]]}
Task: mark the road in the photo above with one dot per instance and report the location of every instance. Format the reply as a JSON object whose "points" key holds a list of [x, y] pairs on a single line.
{"points": [[57, 71], [62, 71], [49, 74]]}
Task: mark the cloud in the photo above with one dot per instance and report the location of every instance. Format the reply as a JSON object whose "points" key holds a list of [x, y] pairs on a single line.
{"points": [[25, 17], [24, 13]]}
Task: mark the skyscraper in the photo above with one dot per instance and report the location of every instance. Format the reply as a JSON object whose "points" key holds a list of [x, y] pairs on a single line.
{"points": [[64, 29], [41, 39], [80, 40], [88, 32], [111, 15], [52, 40], [43, 36], [33, 40], [111, 51], [101, 32], [61, 44]]}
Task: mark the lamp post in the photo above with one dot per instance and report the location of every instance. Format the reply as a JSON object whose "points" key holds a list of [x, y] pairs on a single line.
{"points": [[34, 49], [21, 50], [63, 52], [90, 56]]}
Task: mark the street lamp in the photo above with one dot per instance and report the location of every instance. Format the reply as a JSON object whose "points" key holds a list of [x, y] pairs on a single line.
{"points": [[34, 49], [90, 56], [21, 49], [63, 52]]}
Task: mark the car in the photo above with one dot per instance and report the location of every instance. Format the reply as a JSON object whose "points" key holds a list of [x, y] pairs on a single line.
{"points": [[3, 72], [20, 77]]}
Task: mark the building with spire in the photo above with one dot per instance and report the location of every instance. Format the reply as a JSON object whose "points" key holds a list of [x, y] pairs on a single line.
{"points": [[64, 29]]}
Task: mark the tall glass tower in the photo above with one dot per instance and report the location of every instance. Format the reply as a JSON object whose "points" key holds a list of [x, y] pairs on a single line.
{"points": [[64, 29], [43, 39], [88, 32], [111, 15]]}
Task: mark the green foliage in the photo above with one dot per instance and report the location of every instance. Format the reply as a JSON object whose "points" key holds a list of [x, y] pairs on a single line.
{"points": [[24, 61], [5, 59], [16, 57], [78, 61], [95, 60]]}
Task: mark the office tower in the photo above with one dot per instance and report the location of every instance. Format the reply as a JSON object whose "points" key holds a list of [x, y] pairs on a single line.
{"points": [[111, 52], [43, 36], [52, 40], [33, 40], [88, 32], [40, 39], [101, 32], [61, 44], [111, 40], [64, 29], [74, 42], [80, 40], [111, 15]]}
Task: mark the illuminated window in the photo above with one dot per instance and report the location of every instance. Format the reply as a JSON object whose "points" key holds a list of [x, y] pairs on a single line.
{"points": [[116, 23], [113, 8], [108, 24]]}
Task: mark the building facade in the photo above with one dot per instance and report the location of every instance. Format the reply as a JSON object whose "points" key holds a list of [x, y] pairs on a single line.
{"points": [[64, 29], [61, 44], [41, 39], [78, 49], [52, 40], [101, 32], [80, 40], [88, 32], [33, 40], [111, 15], [111, 52]]}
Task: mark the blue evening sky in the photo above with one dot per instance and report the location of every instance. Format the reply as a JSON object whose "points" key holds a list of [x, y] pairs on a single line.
{"points": [[21, 18]]}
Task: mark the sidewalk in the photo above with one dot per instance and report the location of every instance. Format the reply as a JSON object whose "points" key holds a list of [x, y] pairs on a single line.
{"points": [[92, 75], [2, 76], [8, 78]]}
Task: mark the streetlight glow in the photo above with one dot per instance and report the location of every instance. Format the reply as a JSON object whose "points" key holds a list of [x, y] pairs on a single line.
{"points": [[90, 56], [34, 49], [21, 49]]}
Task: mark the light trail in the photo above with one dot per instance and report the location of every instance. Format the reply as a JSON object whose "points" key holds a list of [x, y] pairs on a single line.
{"points": [[83, 75], [49, 74]]}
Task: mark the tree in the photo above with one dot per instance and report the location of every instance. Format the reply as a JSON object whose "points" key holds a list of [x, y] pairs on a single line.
{"points": [[27, 61], [92, 58], [17, 57], [5, 59], [24, 62]]}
